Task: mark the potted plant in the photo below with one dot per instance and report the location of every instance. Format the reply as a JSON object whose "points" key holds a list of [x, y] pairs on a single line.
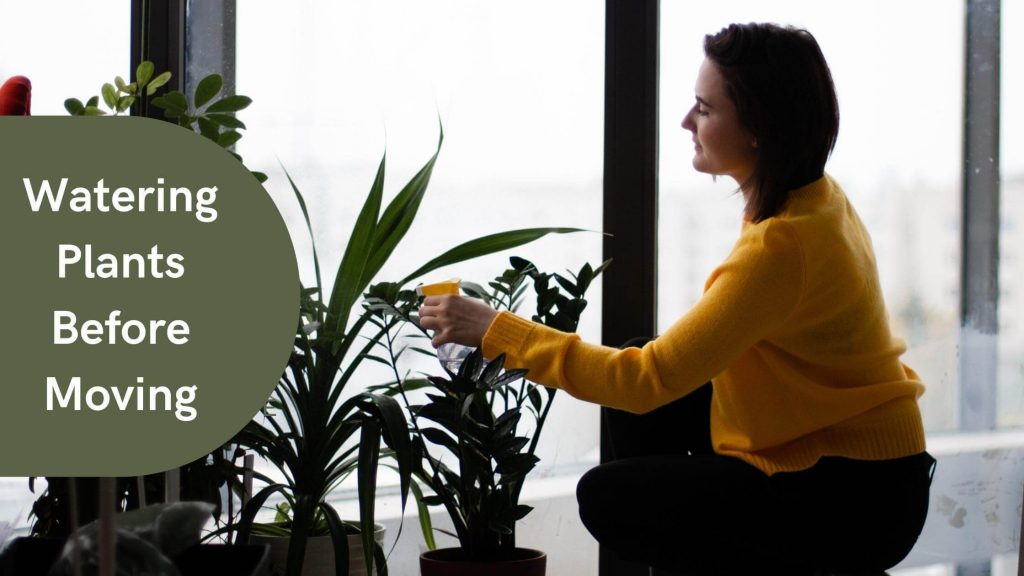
{"points": [[313, 436], [475, 415]]}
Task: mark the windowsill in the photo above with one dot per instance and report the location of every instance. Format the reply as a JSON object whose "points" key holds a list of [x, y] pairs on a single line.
{"points": [[950, 443], [558, 483]]}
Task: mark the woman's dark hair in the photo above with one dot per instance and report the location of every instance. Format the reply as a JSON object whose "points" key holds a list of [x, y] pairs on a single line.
{"points": [[784, 96]]}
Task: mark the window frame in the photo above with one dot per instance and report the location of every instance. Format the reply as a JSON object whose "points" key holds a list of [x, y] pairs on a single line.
{"points": [[979, 261]]}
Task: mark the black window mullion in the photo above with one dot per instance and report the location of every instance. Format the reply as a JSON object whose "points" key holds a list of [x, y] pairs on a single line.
{"points": [[629, 307], [158, 35]]}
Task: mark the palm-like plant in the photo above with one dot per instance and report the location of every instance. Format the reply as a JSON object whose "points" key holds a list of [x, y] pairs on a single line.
{"points": [[311, 434]]}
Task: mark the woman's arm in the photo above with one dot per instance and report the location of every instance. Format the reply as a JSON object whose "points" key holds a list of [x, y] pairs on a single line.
{"points": [[751, 294]]}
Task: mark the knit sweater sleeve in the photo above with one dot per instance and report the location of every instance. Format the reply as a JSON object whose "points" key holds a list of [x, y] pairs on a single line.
{"points": [[745, 299]]}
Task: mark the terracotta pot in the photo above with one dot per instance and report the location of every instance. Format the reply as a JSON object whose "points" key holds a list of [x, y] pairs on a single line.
{"points": [[319, 553], [451, 562]]}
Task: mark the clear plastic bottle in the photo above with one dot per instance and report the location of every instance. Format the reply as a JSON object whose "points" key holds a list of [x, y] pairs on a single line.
{"points": [[450, 355]]}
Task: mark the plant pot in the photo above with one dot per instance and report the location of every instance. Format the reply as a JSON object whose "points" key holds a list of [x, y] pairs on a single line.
{"points": [[319, 559], [452, 562], [35, 556]]}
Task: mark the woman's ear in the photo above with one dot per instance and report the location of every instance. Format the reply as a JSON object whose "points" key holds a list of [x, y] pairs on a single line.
{"points": [[753, 142]]}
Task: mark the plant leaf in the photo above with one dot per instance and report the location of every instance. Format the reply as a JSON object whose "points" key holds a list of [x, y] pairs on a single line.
{"points": [[380, 560], [230, 104], [309, 227], [348, 283], [426, 524], [369, 453], [398, 217], [157, 83], [208, 88], [441, 438], [144, 72], [339, 538], [486, 245], [124, 103], [209, 129], [74, 106], [253, 506], [228, 139], [226, 120], [389, 412], [174, 101], [109, 95]]}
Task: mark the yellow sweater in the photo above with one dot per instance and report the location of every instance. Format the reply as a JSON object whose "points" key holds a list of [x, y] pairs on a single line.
{"points": [[792, 331]]}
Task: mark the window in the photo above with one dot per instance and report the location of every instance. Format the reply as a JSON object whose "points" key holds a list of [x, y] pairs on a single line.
{"points": [[69, 56], [523, 118], [897, 158]]}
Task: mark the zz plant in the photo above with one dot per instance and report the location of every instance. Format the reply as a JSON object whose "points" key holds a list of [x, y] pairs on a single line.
{"points": [[470, 439]]}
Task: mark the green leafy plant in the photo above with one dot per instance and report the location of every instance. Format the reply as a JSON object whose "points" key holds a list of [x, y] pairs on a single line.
{"points": [[309, 432], [476, 414], [215, 118], [120, 96]]}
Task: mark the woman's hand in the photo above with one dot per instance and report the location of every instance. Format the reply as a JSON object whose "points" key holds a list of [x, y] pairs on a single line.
{"points": [[456, 319]]}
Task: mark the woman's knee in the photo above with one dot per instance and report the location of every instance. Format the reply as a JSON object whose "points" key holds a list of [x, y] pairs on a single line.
{"points": [[599, 494], [591, 492]]}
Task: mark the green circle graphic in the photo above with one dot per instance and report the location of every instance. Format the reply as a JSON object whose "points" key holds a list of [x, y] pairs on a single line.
{"points": [[150, 296]]}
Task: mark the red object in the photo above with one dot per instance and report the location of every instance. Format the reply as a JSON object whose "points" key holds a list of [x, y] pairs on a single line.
{"points": [[16, 97]]}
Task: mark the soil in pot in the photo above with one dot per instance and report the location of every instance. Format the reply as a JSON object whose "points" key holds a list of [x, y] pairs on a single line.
{"points": [[319, 553], [452, 562]]}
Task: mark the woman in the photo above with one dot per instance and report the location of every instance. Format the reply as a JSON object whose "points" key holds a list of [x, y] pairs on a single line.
{"points": [[805, 452]]}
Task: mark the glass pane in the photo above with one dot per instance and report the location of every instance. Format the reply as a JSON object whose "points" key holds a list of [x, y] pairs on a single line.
{"points": [[522, 111], [68, 53], [897, 158], [1010, 406]]}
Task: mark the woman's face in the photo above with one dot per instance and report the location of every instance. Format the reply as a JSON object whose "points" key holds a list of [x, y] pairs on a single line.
{"points": [[721, 144]]}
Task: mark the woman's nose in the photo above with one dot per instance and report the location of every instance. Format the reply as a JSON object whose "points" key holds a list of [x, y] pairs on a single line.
{"points": [[687, 122]]}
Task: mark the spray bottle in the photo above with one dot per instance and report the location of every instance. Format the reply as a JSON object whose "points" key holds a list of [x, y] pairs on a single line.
{"points": [[450, 354]]}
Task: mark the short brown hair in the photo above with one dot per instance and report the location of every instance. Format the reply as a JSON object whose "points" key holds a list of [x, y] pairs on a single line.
{"points": [[784, 96]]}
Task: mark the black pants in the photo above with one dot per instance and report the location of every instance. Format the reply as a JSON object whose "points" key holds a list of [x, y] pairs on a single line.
{"points": [[676, 505]]}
